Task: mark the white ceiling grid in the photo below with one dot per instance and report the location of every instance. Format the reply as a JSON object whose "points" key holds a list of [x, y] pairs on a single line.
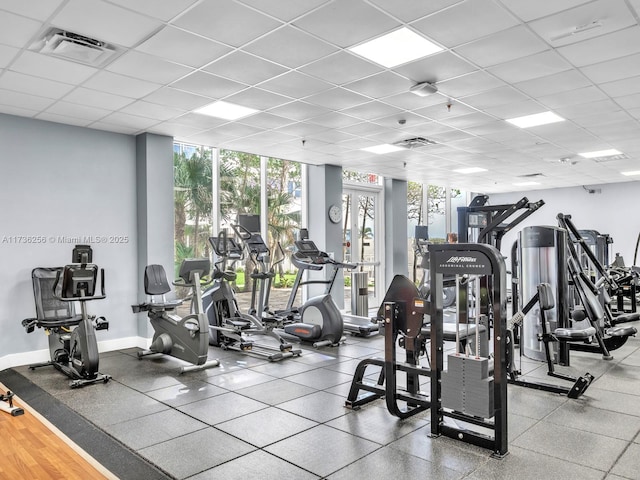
{"points": [[320, 103]]}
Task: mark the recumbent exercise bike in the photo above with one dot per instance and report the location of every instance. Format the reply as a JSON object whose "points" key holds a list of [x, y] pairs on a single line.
{"points": [[72, 339]]}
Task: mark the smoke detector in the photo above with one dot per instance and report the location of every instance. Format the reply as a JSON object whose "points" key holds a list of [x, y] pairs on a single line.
{"points": [[75, 47], [415, 142]]}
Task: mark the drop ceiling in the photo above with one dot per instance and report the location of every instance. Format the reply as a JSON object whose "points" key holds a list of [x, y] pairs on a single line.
{"points": [[320, 103]]}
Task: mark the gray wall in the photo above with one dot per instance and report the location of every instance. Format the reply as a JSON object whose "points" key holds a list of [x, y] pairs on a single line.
{"points": [[612, 211], [56, 182]]}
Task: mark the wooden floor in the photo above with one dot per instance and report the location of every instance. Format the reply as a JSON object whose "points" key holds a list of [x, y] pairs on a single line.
{"points": [[31, 447]]}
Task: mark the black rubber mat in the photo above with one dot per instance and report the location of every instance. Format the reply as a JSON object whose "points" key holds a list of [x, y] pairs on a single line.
{"points": [[110, 453]]}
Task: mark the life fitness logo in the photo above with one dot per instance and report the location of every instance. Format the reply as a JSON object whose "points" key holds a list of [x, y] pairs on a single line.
{"points": [[457, 260]]}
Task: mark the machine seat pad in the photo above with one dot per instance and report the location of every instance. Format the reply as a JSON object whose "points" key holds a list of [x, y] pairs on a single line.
{"points": [[449, 331], [169, 305], [621, 331], [626, 317], [574, 334]]}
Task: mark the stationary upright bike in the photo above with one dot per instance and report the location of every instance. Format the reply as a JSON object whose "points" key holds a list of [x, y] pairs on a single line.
{"points": [[186, 338], [72, 338]]}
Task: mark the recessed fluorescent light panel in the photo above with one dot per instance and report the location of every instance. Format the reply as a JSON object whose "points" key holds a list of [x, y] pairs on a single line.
{"points": [[629, 174], [384, 148], [535, 120], [526, 184], [226, 110], [395, 48], [470, 170], [601, 153]]}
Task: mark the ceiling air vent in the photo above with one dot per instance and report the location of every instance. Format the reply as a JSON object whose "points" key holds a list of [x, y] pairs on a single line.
{"points": [[416, 142], [73, 46]]}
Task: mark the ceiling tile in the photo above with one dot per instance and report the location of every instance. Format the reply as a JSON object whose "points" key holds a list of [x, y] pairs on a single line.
{"points": [[53, 117], [337, 99], [469, 84], [131, 121], [464, 121], [601, 107], [495, 97], [258, 99], [409, 101], [285, 11], [7, 54], [291, 47], [595, 50], [196, 120], [148, 67], [559, 29], [334, 120], [531, 10], [371, 110], [619, 88], [409, 11], [380, 85], [266, 120], [183, 47], [340, 68], [299, 110], [531, 67], [106, 22], [612, 70], [33, 85], [513, 110], [465, 22], [442, 111], [37, 9], [227, 22], [245, 68], [165, 11], [16, 31], [120, 85], [177, 98], [207, 84], [502, 47], [94, 98], [52, 68], [23, 100], [572, 97], [78, 111], [435, 68], [152, 110], [296, 85], [559, 82], [346, 22]]}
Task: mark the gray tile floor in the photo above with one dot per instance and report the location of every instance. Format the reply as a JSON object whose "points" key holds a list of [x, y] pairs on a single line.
{"points": [[250, 418]]}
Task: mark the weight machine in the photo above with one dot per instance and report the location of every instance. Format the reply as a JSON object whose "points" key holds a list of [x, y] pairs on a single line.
{"points": [[468, 399]]}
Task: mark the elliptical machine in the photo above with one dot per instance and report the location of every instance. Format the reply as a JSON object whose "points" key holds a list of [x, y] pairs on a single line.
{"points": [[186, 338], [72, 339], [229, 328], [318, 320]]}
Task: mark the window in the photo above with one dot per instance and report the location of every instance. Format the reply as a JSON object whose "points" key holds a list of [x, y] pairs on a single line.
{"points": [[193, 201]]}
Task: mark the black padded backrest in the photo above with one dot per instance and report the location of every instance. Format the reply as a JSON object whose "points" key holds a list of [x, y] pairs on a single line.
{"points": [[155, 280], [592, 303], [48, 307], [402, 291], [545, 296]]}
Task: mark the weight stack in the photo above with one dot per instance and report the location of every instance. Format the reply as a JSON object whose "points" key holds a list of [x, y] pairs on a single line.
{"points": [[467, 386]]}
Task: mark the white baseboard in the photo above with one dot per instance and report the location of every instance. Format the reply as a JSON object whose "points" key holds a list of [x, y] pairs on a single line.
{"points": [[36, 356]]}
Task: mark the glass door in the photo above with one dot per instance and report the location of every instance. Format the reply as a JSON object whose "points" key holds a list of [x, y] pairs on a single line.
{"points": [[361, 246]]}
